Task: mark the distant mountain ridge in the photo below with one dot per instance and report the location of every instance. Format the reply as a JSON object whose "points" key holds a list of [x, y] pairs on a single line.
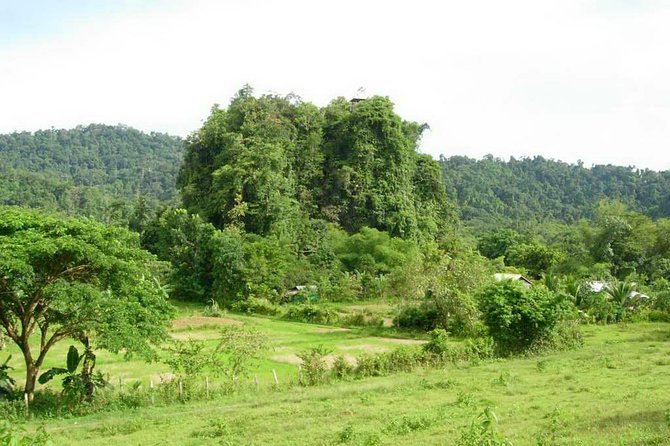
{"points": [[89, 169], [101, 170], [493, 192]]}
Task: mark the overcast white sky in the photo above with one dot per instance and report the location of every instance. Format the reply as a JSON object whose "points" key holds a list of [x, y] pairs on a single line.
{"points": [[565, 79]]}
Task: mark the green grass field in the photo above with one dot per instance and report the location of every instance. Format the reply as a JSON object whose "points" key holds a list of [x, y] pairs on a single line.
{"points": [[613, 391]]}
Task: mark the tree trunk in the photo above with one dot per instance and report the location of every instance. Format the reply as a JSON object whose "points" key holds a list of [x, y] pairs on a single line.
{"points": [[31, 379]]}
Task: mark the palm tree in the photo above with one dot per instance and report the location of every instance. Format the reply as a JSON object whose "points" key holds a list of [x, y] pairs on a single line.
{"points": [[624, 297]]}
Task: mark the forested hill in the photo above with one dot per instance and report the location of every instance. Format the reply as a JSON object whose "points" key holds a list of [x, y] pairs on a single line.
{"points": [[94, 170], [492, 191]]}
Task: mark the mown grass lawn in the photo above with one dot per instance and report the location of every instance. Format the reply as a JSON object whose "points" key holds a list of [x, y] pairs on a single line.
{"points": [[613, 391]]}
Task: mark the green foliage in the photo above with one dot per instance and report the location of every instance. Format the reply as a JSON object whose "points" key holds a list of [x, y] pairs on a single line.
{"points": [[76, 386], [12, 435], [518, 318], [72, 277], [237, 350], [96, 170], [625, 298], [520, 193], [438, 343], [423, 317], [535, 258], [374, 252], [268, 164], [254, 305], [206, 262], [240, 347], [448, 283], [314, 368], [7, 383], [497, 243], [310, 313], [483, 432], [187, 359]]}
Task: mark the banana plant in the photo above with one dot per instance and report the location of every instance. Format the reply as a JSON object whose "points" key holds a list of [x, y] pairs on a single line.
{"points": [[72, 363], [76, 385]]}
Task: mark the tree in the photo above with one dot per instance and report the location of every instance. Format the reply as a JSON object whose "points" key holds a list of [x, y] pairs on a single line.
{"points": [[206, 263], [67, 278], [517, 318]]}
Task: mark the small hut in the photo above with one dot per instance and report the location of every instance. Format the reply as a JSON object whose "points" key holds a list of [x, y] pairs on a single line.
{"points": [[525, 281]]}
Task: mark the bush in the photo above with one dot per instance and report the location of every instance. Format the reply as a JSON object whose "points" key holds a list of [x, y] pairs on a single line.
{"points": [[254, 305], [314, 367], [404, 359], [372, 365], [438, 344], [16, 436], [213, 309], [598, 307], [311, 314], [480, 348], [518, 318], [483, 431], [342, 369], [7, 383], [362, 319], [423, 317], [657, 316]]}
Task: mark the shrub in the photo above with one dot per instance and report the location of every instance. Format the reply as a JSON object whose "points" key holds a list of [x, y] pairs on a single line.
{"points": [[255, 305], [518, 318], [372, 365], [213, 309], [483, 431], [657, 316], [480, 348], [314, 367], [342, 369], [423, 317], [7, 383], [311, 314], [362, 319], [404, 359], [438, 344], [16, 436], [598, 307]]}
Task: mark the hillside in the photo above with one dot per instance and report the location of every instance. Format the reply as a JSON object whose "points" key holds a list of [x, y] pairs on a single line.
{"points": [[94, 170], [494, 192]]}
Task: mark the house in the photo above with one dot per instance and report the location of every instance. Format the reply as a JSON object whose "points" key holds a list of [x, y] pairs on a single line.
{"points": [[597, 286], [301, 294], [300, 288], [525, 281]]}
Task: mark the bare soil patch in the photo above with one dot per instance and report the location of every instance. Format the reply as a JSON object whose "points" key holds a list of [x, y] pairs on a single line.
{"points": [[402, 341], [329, 330], [371, 348], [292, 358]]}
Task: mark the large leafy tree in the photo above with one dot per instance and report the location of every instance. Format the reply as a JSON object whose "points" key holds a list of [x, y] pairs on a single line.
{"points": [[275, 165], [207, 263], [68, 278]]}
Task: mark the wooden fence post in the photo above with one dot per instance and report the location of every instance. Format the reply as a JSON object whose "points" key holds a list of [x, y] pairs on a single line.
{"points": [[151, 391], [207, 386], [274, 373]]}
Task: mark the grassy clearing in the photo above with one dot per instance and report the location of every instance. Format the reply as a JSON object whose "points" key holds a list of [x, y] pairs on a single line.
{"points": [[287, 340], [613, 391]]}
